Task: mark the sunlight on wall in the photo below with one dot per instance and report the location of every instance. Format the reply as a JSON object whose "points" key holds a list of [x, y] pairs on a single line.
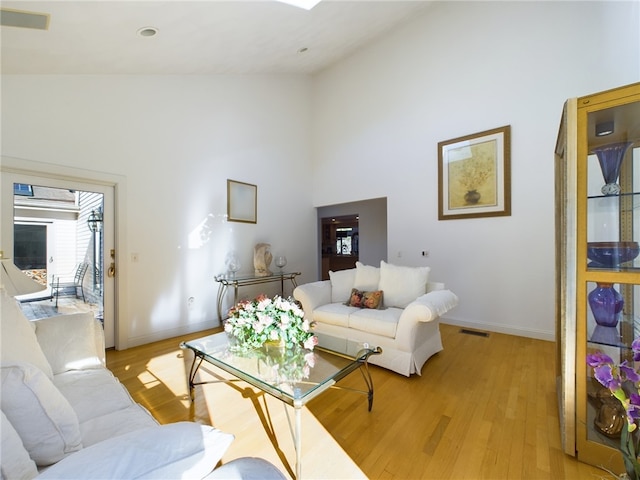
{"points": [[191, 293]]}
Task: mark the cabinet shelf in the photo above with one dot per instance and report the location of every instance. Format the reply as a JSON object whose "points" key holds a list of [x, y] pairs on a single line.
{"points": [[618, 196], [611, 336], [618, 269]]}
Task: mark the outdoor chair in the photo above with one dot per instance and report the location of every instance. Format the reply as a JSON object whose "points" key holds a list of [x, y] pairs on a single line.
{"points": [[61, 283]]}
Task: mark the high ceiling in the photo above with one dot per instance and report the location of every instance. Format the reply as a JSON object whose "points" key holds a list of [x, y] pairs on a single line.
{"points": [[195, 37]]}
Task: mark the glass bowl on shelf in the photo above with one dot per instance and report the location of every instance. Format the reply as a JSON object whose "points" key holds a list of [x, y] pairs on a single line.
{"points": [[611, 254]]}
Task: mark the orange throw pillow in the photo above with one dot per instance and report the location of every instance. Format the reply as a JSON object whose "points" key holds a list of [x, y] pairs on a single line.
{"points": [[361, 299]]}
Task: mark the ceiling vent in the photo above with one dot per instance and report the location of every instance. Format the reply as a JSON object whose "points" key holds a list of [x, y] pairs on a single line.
{"points": [[23, 19]]}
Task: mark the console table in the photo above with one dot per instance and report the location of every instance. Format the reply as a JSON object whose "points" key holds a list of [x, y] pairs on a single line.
{"points": [[238, 281]]}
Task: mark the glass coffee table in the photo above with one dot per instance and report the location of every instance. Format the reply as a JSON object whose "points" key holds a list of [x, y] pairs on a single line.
{"points": [[294, 376]]}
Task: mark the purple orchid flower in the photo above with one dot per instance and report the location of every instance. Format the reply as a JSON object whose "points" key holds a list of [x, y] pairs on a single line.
{"points": [[635, 346], [623, 381], [633, 410], [598, 358], [604, 375], [629, 372]]}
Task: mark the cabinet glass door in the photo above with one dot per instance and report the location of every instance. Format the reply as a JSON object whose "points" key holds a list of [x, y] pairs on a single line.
{"points": [[609, 279], [613, 188]]}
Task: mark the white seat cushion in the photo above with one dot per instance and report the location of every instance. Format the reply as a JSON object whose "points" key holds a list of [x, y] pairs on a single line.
{"points": [[380, 322], [44, 419], [334, 314]]}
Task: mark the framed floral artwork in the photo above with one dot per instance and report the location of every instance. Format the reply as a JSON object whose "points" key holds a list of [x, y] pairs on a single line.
{"points": [[242, 202], [474, 175]]}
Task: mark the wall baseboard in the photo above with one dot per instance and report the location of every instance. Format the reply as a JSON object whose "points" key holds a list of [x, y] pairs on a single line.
{"points": [[173, 332], [498, 328]]}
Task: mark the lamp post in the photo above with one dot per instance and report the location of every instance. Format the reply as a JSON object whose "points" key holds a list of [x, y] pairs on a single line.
{"points": [[94, 221]]}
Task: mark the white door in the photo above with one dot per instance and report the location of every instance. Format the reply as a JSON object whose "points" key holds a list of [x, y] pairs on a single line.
{"points": [[108, 229]]}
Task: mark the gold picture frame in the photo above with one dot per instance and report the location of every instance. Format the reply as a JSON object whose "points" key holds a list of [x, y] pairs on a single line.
{"points": [[474, 175], [242, 202]]}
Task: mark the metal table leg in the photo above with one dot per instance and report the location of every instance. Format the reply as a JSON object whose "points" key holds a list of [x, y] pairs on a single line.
{"points": [[222, 289], [296, 435], [298, 443]]}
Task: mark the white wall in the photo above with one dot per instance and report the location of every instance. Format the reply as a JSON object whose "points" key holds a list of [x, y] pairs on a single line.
{"points": [[376, 119], [176, 139], [460, 68]]}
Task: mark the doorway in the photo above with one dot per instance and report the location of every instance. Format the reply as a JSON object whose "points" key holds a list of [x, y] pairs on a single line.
{"points": [[58, 225], [55, 231], [340, 243], [369, 225]]}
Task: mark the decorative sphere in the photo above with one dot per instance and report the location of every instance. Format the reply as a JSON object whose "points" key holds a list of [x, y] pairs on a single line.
{"points": [[611, 254], [610, 189]]}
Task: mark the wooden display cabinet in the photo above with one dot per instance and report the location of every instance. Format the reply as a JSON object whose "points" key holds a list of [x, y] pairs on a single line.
{"points": [[597, 266]]}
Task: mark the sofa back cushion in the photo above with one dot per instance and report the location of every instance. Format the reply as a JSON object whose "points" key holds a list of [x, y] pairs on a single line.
{"points": [[176, 450], [69, 341], [18, 342], [367, 277], [15, 461], [402, 285], [43, 418], [341, 284]]}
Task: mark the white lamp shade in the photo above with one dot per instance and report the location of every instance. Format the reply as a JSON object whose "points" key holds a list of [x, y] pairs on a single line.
{"points": [[14, 281]]}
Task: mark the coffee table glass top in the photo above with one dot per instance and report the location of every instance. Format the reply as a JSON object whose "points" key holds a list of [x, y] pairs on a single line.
{"points": [[293, 375]]}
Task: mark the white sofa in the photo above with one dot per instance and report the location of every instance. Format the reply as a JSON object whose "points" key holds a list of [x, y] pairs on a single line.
{"points": [[64, 415], [405, 325]]}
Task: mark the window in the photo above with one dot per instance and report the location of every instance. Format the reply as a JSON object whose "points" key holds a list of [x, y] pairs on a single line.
{"points": [[343, 241], [30, 246], [22, 189]]}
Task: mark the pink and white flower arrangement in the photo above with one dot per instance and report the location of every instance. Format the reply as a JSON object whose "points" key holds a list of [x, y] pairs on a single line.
{"points": [[255, 322]]}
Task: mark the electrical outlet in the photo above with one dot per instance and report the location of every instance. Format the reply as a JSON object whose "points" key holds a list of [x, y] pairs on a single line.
{"points": [[425, 253]]}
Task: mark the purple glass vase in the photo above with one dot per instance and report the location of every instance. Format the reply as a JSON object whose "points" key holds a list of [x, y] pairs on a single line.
{"points": [[606, 304], [610, 158]]}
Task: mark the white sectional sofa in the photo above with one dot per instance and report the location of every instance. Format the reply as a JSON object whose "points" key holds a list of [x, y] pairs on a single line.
{"points": [[64, 415], [405, 324]]}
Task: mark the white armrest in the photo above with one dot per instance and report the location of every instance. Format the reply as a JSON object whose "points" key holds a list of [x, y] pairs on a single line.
{"points": [[432, 305], [425, 308], [247, 468], [313, 294], [71, 342]]}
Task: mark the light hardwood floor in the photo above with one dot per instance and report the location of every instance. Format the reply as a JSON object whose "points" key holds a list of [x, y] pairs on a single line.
{"points": [[484, 408]]}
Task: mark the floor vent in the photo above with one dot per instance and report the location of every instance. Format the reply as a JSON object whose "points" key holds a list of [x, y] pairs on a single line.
{"points": [[477, 333]]}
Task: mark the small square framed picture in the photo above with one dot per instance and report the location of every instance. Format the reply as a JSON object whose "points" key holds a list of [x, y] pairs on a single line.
{"points": [[242, 202]]}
